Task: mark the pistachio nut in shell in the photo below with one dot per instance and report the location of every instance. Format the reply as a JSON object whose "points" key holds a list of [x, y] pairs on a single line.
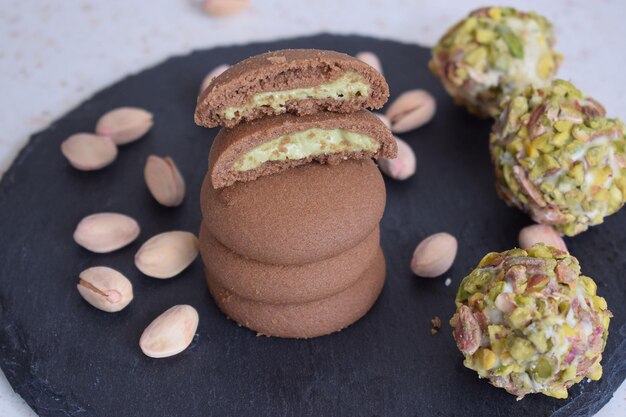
{"points": [[540, 233], [164, 180], [89, 152], [105, 288], [125, 124], [371, 59], [225, 7], [412, 109], [106, 232], [170, 333], [434, 255], [167, 254], [401, 167]]}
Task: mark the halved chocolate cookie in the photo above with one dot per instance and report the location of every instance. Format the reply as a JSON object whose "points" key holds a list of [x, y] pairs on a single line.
{"points": [[300, 81], [278, 284], [306, 214], [304, 320], [274, 144]]}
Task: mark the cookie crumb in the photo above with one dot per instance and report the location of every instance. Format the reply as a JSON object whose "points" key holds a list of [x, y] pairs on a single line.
{"points": [[436, 325]]}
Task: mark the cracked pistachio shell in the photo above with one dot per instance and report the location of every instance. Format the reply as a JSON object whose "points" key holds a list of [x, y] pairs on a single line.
{"points": [[167, 254], [89, 152], [170, 333], [105, 288], [164, 181], [125, 124], [106, 232], [412, 109]]}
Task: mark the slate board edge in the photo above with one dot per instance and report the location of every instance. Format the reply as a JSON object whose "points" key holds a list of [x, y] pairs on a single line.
{"points": [[12, 343]]}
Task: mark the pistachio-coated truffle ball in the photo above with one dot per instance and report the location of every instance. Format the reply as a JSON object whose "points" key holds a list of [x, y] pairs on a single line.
{"points": [[491, 53], [559, 158], [529, 322]]}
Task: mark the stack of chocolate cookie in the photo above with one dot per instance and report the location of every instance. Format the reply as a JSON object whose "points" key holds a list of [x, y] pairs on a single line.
{"points": [[292, 199]]}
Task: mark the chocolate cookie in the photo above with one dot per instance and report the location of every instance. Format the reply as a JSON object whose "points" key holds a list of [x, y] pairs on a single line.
{"points": [[277, 284], [299, 81], [273, 144], [305, 214], [312, 319]]}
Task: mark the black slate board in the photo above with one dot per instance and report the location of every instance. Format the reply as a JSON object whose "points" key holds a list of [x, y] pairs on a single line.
{"points": [[69, 359]]}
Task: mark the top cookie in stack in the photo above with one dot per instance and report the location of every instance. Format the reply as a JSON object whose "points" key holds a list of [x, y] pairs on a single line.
{"points": [[297, 81], [270, 209]]}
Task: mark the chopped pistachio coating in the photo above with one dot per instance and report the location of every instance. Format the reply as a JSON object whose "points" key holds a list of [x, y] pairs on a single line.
{"points": [[530, 322], [492, 52], [559, 158]]}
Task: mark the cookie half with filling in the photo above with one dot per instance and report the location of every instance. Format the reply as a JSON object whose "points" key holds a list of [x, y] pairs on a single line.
{"points": [[271, 145], [298, 81]]}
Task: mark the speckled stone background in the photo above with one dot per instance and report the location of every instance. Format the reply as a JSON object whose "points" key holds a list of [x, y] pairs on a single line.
{"points": [[55, 53]]}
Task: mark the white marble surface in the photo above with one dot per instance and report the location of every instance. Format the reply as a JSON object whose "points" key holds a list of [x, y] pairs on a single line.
{"points": [[56, 53]]}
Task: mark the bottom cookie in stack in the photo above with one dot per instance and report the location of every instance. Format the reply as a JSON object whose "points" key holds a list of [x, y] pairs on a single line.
{"points": [[307, 319]]}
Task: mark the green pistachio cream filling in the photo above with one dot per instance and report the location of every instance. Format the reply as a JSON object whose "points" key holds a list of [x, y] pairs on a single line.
{"points": [[305, 144], [349, 85], [529, 322], [493, 52], [559, 158]]}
